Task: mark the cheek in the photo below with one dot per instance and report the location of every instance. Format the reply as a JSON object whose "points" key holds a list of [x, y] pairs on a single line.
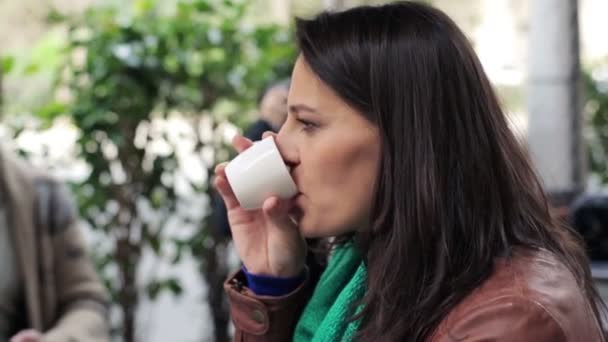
{"points": [[343, 187]]}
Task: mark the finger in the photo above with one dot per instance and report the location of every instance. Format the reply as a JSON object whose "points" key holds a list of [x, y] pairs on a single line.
{"points": [[223, 187], [26, 336], [220, 169], [277, 210], [270, 205], [20, 335], [241, 143], [269, 134]]}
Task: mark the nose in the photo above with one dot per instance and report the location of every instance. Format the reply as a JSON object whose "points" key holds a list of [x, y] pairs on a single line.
{"points": [[287, 147]]}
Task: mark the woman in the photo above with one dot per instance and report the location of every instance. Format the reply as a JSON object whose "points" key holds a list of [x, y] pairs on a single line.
{"points": [[396, 141]]}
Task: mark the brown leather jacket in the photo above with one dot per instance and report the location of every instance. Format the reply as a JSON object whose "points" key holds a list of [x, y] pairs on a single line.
{"points": [[530, 297]]}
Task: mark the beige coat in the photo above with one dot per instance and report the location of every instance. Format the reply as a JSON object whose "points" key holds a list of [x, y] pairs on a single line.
{"points": [[63, 296]]}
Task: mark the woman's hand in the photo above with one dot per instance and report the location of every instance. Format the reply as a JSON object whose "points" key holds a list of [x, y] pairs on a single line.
{"points": [[267, 240], [29, 335]]}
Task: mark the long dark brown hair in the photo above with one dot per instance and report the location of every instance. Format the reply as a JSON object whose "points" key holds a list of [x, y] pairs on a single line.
{"points": [[455, 190]]}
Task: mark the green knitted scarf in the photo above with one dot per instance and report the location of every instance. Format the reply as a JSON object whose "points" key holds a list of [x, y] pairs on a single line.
{"points": [[326, 316]]}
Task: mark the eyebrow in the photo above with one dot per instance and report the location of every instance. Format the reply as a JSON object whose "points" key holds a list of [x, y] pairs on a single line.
{"points": [[301, 108]]}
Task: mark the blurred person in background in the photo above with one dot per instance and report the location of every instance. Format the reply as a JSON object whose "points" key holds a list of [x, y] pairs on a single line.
{"points": [[273, 110], [49, 290]]}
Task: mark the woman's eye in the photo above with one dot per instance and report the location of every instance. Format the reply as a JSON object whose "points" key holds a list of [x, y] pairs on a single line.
{"points": [[307, 125]]}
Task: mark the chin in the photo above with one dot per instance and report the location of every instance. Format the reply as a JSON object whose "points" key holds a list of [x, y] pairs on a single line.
{"points": [[309, 230], [312, 230]]}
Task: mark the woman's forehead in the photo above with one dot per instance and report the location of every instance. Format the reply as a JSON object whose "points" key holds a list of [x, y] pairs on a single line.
{"points": [[307, 88]]}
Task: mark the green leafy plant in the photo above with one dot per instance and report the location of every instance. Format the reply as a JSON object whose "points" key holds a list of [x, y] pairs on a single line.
{"points": [[596, 111], [130, 78], [6, 64]]}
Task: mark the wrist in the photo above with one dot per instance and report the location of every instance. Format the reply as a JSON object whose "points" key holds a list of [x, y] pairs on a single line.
{"points": [[278, 272], [265, 285]]}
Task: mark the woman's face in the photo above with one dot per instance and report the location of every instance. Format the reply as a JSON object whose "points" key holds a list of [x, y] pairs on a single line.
{"points": [[334, 153]]}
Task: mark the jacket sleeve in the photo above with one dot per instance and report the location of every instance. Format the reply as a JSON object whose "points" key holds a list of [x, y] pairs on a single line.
{"points": [[264, 318], [82, 300], [503, 320]]}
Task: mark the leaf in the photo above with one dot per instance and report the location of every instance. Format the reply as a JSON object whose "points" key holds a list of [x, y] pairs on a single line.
{"points": [[174, 286], [203, 6], [31, 69], [55, 17], [179, 246], [154, 241], [153, 289], [52, 110], [46, 54], [8, 62], [142, 6]]}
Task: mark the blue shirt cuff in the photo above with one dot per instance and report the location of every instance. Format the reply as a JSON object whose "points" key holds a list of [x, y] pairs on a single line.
{"points": [[273, 286]]}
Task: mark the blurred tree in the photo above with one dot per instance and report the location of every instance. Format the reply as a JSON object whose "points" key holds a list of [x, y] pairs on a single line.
{"points": [[6, 64], [596, 110], [128, 78]]}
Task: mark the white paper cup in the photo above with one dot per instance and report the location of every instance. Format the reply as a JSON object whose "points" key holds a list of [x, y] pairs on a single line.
{"points": [[259, 173]]}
